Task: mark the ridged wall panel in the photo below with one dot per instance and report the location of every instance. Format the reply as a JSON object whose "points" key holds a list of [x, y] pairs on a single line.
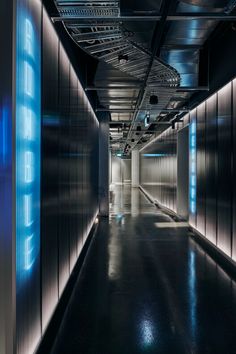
{"points": [[213, 194]]}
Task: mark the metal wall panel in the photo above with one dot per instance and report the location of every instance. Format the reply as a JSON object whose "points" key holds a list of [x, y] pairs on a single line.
{"points": [[77, 150], [192, 168], [212, 202], [174, 169], [120, 170], [211, 168], [158, 169], [63, 226], [182, 190], [82, 138], [201, 168], [70, 170], [116, 172], [73, 121], [234, 173], [78, 168], [28, 137], [49, 184], [43, 227], [7, 156], [224, 191]]}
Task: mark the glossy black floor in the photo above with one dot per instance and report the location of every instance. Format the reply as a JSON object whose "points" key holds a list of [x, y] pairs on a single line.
{"points": [[146, 287]]}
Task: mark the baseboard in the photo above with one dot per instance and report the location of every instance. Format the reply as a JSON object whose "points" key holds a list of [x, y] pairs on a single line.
{"points": [[159, 205], [147, 195]]}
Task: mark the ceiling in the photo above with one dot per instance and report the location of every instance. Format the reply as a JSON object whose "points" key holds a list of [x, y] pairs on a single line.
{"points": [[150, 58]]}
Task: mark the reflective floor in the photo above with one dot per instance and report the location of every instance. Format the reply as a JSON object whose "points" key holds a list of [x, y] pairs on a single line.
{"points": [[146, 287]]}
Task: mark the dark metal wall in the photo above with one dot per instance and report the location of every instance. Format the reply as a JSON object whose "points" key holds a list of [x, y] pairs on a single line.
{"points": [[69, 189], [215, 168], [182, 197], [225, 187], [27, 174], [201, 167], [50, 177], [7, 156], [211, 168], [49, 187]]}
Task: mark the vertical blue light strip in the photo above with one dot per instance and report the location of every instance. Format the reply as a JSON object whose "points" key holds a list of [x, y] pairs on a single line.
{"points": [[5, 135], [28, 135], [192, 168]]}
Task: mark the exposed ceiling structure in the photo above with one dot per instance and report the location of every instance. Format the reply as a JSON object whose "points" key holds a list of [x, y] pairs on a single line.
{"points": [[149, 55]]}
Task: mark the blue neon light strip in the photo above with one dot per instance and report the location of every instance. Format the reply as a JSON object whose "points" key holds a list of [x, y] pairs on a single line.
{"points": [[192, 168], [28, 133], [156, 155], [5, 134]]}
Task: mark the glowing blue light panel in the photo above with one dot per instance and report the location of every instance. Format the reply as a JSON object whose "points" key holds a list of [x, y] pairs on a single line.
{"points": [[155, 155], [192, 168], [5, 135], [28, 133]]}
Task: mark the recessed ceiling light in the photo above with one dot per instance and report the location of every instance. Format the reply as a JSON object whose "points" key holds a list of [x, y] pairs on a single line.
{"points": [[123, 58]]}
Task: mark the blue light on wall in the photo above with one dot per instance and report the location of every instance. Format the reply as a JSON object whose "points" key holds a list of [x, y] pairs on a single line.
{"points": [[156, 155], [192, 168], [28, 133], [5, 134]]}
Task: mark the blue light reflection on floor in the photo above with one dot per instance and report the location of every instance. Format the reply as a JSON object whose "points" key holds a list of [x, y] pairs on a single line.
{"points": [[192, 294], [147, 333]]}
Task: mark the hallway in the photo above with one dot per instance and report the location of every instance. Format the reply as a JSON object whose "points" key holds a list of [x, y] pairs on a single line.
{"points": [[147, 287]]}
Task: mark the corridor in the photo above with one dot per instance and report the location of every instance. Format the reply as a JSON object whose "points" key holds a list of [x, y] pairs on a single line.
{"points": [[117, 177], [147, 287]]}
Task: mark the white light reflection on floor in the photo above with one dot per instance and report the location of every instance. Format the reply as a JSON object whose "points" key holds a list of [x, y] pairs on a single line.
{"points": [[147, 332], [162, 225], [120, 219]]}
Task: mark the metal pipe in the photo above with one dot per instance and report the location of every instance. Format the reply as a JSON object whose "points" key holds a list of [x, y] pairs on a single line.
{"points": [[141, 110], [121, 87], [150, 87], [176, 17], [84, 37], [197, 88], [102, 18], [88, 2]]}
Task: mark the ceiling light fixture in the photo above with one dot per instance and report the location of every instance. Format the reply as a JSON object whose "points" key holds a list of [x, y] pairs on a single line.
{"points": [[123, 58], [147, 119]]}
